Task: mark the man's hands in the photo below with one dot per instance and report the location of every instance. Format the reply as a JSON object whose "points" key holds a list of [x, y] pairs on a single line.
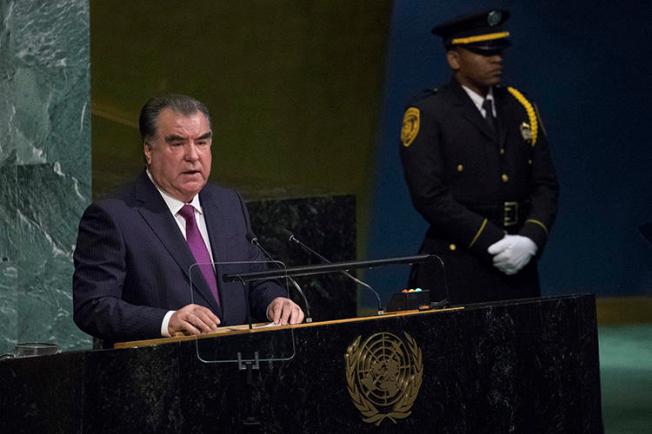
{"points": [[512, 253], [193, 319], [284, 311]]}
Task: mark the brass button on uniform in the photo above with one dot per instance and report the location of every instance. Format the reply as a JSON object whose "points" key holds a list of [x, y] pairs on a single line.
{"points": [[529, 162], [452, 247], [502, 151], [460, 168], [504, 177]]}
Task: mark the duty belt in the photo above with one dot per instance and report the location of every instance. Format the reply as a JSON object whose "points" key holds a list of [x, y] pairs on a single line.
{"points": [[507, 214], [510, 213]]}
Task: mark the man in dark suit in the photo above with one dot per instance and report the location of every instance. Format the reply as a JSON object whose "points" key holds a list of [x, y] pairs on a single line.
{"points": [[479, 170], [138, 254]]}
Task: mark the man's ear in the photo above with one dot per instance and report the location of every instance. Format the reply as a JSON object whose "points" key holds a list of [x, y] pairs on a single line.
{"points": [[453, 58], [147, 150]]}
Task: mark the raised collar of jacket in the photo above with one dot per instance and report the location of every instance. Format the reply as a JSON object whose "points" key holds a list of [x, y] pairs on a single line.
{"points": [[175, 205], [478, 100]]}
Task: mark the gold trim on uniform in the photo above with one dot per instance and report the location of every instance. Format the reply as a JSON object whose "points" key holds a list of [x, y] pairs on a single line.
{"points": [[477, 235], [480, 38], [537, 222], [531, 114], [383, 376], [410, 128]]}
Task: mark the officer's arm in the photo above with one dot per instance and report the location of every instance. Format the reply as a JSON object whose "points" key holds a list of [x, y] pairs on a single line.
{"points": [[545, 192], [424, 170]]}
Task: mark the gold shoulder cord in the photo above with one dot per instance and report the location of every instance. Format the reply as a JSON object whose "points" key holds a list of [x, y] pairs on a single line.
{"points": [[531, 114]]}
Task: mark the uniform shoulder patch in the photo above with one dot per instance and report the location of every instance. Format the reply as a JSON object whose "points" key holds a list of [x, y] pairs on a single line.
{"points": [[410, 128]]}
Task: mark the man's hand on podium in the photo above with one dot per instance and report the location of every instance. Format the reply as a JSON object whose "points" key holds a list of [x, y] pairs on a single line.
{"points": [[284, 311], [193, 319]]}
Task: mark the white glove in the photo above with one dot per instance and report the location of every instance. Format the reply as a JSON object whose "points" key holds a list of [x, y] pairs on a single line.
{"points": [[512, 253]]}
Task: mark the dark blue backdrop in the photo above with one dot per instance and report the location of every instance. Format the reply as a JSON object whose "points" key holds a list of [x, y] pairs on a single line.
{"points": [[588, 67]]}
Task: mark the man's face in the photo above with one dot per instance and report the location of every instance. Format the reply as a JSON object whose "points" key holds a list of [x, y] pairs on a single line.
{"points": [[476, 71], [179, 155]]}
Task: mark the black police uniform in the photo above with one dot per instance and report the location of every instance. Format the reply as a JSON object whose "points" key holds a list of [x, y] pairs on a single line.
{"points": [[473, 184], [475, 181]]}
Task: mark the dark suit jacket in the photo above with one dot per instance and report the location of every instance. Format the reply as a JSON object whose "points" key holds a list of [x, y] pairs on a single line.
{"points": [[132, 264], [457, 169]]}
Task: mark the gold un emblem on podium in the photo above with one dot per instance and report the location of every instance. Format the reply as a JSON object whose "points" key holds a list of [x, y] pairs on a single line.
{"points": [[383, 376]]}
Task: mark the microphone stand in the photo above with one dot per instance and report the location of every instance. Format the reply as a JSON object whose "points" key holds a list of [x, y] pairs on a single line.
{"points": [[253, 239], [292, 238], [313, 270]]}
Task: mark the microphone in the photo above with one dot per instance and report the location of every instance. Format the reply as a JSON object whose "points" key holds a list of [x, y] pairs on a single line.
{"points": [[307, 249], [253, 239]]}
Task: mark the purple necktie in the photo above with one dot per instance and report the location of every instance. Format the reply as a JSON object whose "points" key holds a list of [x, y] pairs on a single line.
{"points": [[198, 248]]}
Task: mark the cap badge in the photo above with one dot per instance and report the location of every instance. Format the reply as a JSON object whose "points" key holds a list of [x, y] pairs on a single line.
{"points": [[494, 18]]}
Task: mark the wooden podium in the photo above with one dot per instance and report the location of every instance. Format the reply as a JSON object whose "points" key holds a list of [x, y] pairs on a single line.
{"points": [[521, 366]]}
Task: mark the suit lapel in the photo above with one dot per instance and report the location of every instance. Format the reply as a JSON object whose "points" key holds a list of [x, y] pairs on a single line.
{"points": [[469, 111], [157, 215], [218, 232], [213, 215]]}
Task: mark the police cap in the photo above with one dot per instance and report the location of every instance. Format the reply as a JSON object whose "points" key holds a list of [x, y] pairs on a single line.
{"points": [[480, 32]]}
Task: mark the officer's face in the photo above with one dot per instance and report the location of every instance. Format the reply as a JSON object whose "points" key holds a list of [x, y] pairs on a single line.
{"points": [[179, 156], [477, 71]]}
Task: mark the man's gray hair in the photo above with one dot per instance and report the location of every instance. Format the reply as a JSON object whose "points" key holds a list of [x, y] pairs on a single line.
{"points": [[182, 104]]}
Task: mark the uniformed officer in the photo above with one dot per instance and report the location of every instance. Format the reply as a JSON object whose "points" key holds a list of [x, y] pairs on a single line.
{"points": [[478, 167]]}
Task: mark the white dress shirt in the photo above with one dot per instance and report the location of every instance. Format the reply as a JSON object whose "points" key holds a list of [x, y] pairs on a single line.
{"points": [[478, 100]]}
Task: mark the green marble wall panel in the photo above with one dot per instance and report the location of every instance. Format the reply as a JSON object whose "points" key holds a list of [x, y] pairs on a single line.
{"points": [[51, 205], [8, 245], [7, 146], [8, 255], [44, 165]]}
